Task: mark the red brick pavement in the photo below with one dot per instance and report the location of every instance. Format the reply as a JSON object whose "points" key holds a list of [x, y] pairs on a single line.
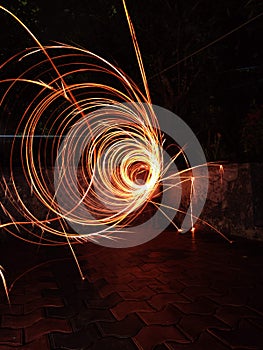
{"points": [[173, 293]]}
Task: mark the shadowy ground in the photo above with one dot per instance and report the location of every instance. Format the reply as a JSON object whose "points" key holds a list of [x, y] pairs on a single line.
{"points": [[180, 292]]}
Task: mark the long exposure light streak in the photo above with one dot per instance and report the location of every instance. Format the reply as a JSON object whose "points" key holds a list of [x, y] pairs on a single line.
{"points": [[89, 144], [4, 283]]}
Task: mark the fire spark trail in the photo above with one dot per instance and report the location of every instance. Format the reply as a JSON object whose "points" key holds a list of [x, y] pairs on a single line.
{"points": [[90, 150]]}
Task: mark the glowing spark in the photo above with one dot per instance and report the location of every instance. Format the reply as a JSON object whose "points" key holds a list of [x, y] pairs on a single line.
{"points": [[121, 169], [2, 270], [221, 172], [191, 202]]}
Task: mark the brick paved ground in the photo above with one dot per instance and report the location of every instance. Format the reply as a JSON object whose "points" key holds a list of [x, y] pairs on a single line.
{"points": [[175, 293]]}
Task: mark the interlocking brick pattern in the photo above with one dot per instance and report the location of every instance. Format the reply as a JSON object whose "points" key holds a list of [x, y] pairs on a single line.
{"points": [[173, 293]]}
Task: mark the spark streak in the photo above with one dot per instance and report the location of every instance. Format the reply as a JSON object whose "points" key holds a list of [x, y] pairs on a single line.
{"points": [[70, 100], [4, 283]]}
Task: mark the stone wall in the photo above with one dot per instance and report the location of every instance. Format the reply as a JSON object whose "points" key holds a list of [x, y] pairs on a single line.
{"points": [[233, 205], [234, 200]]}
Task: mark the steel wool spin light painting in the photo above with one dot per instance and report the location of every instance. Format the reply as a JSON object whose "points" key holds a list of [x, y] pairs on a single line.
{"points": [[93, 153]]}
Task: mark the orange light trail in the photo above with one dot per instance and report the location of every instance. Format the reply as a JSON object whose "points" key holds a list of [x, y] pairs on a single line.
{"points": [[84, 97], [74, 99]]}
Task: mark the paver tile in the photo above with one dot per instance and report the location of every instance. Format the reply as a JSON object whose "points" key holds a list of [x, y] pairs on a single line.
{"points": [[205, 342], [138, 284], [126, 307], [64, 312], [201, 306], [113, 343], [168, 277], [153, 335], [159, 287], [159, 301], [111, 288], [109, 302], [195, 292], [21, 321], [43, 302], [10, 336], [142, 294], [41, 343], [12, 309], [232, 315], [128, 327], [194, 325], [168, 316], [75, 341], [115, 278], [87, 316], [148, 267], [235, 297], [46, 326], [245, 336]]}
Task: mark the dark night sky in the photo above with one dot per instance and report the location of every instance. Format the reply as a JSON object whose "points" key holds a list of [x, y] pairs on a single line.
{"points": [[213, 91], [101, 26]]}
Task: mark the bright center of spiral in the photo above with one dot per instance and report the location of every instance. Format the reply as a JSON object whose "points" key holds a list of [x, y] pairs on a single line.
{"points": [[139, 173]]}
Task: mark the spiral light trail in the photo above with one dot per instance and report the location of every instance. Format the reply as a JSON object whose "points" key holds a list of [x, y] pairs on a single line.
{"points": [[74, 100], [124, 150]]}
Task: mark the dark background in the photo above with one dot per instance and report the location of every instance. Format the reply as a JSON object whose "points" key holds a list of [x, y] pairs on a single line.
{"points": [[217, 91]]}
